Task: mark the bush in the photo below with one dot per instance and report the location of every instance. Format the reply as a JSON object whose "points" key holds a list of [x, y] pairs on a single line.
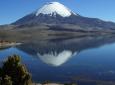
{"points": [[7, 80], [14, 73]]}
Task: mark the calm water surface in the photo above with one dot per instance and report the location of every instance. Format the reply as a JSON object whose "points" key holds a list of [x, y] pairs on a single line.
{"points": [[67, 60]]}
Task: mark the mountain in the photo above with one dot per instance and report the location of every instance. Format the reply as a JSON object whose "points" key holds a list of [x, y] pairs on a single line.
{"points": [[50, 13], [56, 15]]}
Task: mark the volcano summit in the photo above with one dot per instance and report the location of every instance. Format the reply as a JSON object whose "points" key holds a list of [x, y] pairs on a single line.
{"points": [[55, 13], [53, 9]]}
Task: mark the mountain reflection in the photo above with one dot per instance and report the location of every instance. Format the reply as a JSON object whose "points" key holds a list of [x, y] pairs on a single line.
{"points": [[56, 59], [56, 52]]}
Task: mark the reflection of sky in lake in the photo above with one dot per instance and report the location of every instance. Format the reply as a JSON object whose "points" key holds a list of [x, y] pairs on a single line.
{"points": [[94, 63]]}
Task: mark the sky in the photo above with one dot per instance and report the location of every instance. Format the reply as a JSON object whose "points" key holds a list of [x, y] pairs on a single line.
{"points": [[12, 10]]}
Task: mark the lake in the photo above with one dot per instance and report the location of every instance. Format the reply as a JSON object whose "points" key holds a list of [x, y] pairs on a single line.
{"points": [[85, 60]]}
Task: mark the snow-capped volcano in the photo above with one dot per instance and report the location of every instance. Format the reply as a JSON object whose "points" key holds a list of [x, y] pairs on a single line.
{"points": [[55, 13], [50, 13], [54, 8]]}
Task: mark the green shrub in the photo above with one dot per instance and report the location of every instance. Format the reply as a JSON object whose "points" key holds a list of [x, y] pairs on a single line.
{"points": [[6, 80], [14, 72]]}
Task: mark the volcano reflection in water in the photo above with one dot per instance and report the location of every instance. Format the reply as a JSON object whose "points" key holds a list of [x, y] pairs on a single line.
{"points": [[55, 59]]}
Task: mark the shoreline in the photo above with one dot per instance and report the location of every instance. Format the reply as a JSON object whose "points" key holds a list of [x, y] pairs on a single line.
{"points": [[4, 45]]}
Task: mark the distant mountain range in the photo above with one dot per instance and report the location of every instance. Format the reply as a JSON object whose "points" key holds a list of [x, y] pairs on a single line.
{"points": [[54, 15]]}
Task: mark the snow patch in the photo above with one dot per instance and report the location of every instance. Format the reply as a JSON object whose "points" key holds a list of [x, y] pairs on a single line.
{"points": [[54, 8]]}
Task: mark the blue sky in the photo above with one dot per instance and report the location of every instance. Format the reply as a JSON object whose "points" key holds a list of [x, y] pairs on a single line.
{"points": [[11, 10]]}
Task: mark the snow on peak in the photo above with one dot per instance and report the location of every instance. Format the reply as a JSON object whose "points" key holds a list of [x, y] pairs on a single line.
{"points": [[54, 8]]}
